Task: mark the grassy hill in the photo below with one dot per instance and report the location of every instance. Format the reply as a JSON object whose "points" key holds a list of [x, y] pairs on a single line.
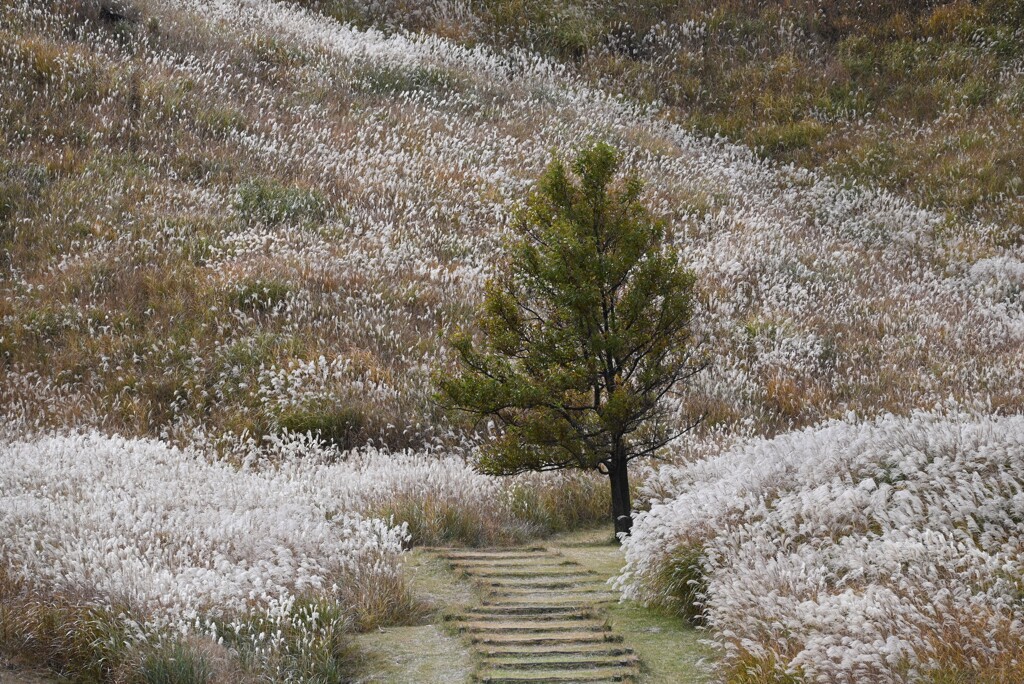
{"points": [[225, 224], [268, 222], [918, 96]]}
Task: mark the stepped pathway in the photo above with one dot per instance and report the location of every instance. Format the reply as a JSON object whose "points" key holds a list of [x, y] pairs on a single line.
{"points": [[539, 619]]}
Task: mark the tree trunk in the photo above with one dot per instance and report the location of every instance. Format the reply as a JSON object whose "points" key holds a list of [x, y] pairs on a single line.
{"points": [[622, 508]]}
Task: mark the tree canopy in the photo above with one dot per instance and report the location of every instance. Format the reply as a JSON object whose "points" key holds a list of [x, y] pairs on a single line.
{"points": [[583, 332]]}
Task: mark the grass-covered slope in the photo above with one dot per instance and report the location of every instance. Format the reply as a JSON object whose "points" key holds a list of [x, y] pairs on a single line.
{"points": [[922, 97], [248, 217], [226, 221], [878, 551]]}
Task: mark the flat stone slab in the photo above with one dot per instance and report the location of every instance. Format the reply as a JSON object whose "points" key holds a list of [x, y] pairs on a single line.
{"points": [[527, 612], [536, 626], [573, 661], [552, 676], [544, 582], [530, 652], [546, 638], [517, 570], [551, 598], [502, 554]]}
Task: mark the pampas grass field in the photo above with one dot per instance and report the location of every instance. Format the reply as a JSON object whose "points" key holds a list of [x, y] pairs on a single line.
{"points": [[236, 234]]}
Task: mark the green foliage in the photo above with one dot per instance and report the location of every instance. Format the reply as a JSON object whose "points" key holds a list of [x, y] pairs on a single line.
{"points": [[259, 295], [391, 80], [566, 30], [787, 136], [175, 664], [342, 426], [19, 186], [682, 581], [264, 201], [582, 333], [220, 121], [62, 635]]}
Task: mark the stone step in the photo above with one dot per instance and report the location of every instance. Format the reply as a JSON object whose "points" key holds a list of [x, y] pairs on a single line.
{"points": [[524, 608], [518, 626], [504, 556], [533, 599], [564, 637], [532, 553], [492, 679], [526, 587], [543, 582], [534, 613], [568, 661], [612, 674], [499, 558], [560, 570], [524, 567], [528, 651], [509, 562], [539, 593]]}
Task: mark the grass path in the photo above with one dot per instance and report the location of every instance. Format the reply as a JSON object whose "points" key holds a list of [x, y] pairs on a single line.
{"points": [[539, 619], [9, 674], [426, 652], [668, 647], [546, 613]]}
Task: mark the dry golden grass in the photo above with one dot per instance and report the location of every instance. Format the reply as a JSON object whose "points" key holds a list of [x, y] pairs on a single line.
{"points": [[921, 97]]}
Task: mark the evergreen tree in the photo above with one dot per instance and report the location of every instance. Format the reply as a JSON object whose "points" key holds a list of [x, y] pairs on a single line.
{"points": [[582, 334]]}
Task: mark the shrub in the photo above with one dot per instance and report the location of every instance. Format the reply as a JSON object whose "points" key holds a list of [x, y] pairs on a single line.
{"points": [[259, 295], [175, 664], [269, 202], [345, 427]]}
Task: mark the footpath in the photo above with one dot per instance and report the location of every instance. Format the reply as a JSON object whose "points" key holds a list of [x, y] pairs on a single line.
{"points": [[538, 613], [540, 619]]}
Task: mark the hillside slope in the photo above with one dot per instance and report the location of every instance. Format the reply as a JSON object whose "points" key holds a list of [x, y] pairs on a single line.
{"points": [[227, 223], [242, 216], [921, 97]]}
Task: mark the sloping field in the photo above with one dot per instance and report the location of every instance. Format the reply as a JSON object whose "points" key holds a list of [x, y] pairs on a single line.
{"points": [[241, 216], [231, 220]]}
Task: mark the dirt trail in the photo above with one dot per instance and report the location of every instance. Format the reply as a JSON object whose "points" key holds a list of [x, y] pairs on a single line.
{"points": [[540, 618]]}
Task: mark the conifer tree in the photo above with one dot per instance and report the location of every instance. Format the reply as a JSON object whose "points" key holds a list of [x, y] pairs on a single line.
{"points": [[583, 332]]}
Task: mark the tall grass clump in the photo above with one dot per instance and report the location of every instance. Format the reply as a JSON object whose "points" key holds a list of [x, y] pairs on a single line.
{"points": [[175, 664], [477, 510], [125, 545], [882, 550], [63, 632]]}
